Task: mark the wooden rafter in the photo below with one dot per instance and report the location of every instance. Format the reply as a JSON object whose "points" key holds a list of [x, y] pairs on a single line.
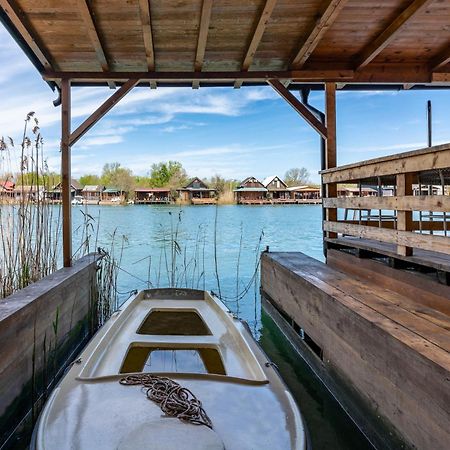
{"points": [[102, 110], [147, 33], [441, 60], [319, 28], [18, 19], [202, 38], [256, 39], [390, 33], [299, 107], [85, 13]]}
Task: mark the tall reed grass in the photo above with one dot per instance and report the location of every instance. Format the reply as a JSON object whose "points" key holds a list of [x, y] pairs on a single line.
{"points": [[29, 224]]}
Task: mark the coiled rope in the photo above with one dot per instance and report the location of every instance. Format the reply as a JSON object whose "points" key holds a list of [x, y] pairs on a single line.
{"points": [[173, 399]]}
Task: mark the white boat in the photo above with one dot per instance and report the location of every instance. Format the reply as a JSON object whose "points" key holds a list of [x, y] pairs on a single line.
{"points": [[172, 369]]}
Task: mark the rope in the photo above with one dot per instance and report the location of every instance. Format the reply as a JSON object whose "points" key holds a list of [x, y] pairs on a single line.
{"points": [[173, 399]]}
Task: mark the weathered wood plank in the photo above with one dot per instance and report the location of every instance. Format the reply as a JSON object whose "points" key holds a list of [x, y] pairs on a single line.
{"points": [[436, 203], [147, 35], [390, 33], [202, 38], [365, 348], [425, 295], [31, 38], [256, 38], [424, 258], [425, 159], [434, 243], [318, 29]]}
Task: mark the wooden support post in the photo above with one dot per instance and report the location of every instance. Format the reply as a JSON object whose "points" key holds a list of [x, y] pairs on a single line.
{"points": [[330, 151], [66, 173], [404, 218]]}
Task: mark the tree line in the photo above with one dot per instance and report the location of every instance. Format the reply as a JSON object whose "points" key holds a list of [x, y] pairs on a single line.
{"points": [[170, 174]]}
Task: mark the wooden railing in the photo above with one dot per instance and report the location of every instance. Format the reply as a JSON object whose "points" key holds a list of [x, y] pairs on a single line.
{"points": [[413, 221]]}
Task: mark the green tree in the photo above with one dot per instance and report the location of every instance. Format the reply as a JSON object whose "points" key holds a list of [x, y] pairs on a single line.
{"points": [[297, 176], [114, 175], [168, 174], [89, 180]]}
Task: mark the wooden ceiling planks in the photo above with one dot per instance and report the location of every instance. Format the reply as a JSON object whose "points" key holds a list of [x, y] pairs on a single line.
{"points": [[318, 30], [205, 19], [390, 33], [387, 41]]}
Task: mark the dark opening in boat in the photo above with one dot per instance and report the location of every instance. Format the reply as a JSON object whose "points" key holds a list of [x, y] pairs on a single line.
{"points": [[174, 323], [167, 359]]}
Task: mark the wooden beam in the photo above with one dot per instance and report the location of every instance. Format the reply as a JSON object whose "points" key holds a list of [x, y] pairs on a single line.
{"points": [[429, 158], [318, 29], [390, 33], [407, 238], [256, 38], [330, 149], [66, 173], [102, 110], [18, 19], [313, 76], [94, 37], [441, 60], [147, 34], [435, 203], [404, 217], [205, 18], [299, 107]]}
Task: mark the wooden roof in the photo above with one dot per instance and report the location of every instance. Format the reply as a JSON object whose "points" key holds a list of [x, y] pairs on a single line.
{"points": [[228, 42]]}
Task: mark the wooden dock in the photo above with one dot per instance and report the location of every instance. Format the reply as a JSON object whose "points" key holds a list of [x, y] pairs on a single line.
{"points": [[378, 337]]}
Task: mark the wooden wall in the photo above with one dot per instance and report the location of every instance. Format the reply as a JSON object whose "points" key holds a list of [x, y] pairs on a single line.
{"points": [[402, 379], [41, 327]]}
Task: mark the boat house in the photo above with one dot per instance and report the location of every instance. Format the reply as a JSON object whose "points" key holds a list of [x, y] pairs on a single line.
{"points": [[373, 319], [197, 193], [251, 192], [147, 196], [277, 189], [55, 194], [92, 194], [305, 194], [113, 195]]}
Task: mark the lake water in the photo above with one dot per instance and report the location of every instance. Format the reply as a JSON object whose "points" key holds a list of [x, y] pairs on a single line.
{"points": [[217, 248]]}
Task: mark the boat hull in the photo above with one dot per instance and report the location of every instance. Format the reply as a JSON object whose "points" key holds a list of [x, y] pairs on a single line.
{"points": [[242, 394]]}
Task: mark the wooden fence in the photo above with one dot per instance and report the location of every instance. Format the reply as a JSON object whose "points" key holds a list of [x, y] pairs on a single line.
{"points": [[403, 216]]}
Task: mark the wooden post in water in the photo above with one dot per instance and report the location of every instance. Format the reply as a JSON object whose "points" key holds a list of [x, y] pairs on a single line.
{"points": [[66, 172], [330, 150]]}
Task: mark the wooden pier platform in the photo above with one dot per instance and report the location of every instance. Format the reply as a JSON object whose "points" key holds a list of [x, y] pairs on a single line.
{"points": [[378, 336]]}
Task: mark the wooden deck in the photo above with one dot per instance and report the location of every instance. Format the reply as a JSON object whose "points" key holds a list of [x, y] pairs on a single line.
{"points": [[383, 335], [422, 258]]}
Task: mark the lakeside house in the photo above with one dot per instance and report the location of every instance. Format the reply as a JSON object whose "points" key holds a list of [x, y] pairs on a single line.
{"points": [[197, 192], [55, 194], [113, 195], [354, 191], [305, 194], [145, 196], [6, 190], [92, 194], [28, 192], [277, 189], [251, 191]]}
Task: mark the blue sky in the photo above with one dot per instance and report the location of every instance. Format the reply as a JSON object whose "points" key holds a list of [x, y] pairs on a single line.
{"points": [[235, 133]]}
